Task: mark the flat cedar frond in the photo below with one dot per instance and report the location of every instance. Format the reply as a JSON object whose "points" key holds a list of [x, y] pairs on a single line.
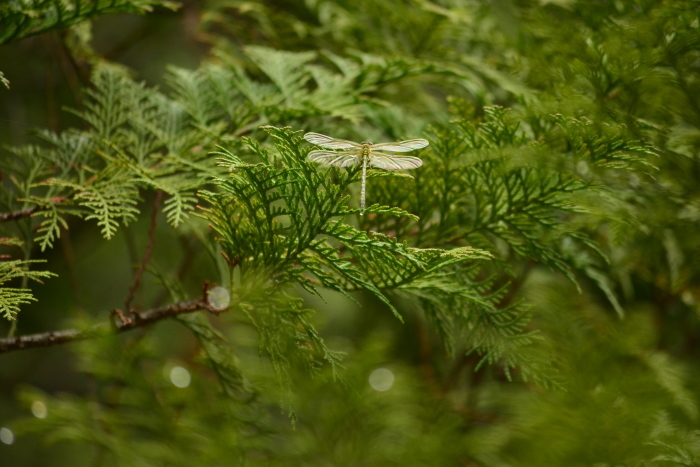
{"points": [[11, 298], [69, 149], [109, 199], [604, 145], [286, 70], [52, 214], [137, 139], [113, 102], [30, 17], [203, 101]]}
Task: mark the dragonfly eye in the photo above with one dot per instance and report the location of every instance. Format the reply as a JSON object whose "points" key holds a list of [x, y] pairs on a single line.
{"points": [[367, 142]]}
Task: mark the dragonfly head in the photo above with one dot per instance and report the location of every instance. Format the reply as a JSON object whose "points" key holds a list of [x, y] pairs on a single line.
{"points": [[366, 142]]}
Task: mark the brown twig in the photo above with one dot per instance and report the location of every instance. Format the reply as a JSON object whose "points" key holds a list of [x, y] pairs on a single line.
{"points": [[147, 255], [120, 314], [49, 339], [13, 216]]}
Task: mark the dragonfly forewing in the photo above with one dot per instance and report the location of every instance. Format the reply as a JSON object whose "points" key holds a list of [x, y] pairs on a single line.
{"points": [[330, 143], [335, 159]]}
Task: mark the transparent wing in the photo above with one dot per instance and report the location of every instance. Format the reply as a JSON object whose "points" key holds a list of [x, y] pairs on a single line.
{"points": [[330, 143], [391, 162], [401, 146], [335, 159]]}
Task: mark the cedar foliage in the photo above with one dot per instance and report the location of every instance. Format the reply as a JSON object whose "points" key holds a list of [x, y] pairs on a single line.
{"points": [[531, 287]]}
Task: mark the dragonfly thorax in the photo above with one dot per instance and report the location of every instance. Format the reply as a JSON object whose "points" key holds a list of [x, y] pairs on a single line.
{"points": [[366, 149]]}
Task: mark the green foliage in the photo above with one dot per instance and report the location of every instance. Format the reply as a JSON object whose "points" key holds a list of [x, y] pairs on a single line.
{"points": [[281, 222], [537, 268], [10, 297], [136, 138], [23, 18]]}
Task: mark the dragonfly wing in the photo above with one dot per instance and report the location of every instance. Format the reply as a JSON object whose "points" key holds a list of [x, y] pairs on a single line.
{"points": [[335, 159], [392, 162], [401, 146], [330, 143]]}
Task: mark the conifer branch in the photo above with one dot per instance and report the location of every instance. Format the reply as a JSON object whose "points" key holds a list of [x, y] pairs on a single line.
{"points": [[23, 19], [50, 339], [16, 215]]}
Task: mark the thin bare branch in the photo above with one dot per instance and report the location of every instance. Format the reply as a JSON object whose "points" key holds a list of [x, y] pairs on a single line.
{"points": [[49, 339], [15, 215], [147, 255]]}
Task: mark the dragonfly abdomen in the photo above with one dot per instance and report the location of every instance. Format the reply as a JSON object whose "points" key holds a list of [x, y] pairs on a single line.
{"points": [[366, 150]]}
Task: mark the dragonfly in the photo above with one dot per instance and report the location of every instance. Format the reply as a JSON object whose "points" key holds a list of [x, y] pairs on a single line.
{"points": [[364, 153]]}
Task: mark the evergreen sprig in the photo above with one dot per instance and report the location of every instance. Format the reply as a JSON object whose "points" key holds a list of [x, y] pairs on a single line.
{"points": [[12, 297], [24, 18]]}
